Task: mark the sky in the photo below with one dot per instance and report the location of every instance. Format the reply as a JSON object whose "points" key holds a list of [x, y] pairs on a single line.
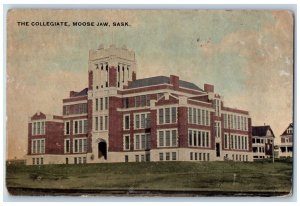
{"points": [[246, 55]]}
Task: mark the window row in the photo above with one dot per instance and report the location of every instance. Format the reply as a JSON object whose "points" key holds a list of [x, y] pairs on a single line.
{"points": [[258, 149], [101, 104], [167, 115], [38, 146], [38, 161], [101, 123], [78, 109], [79, 145], [141, 141], [139, 158], [141, 121], [79, 127], [167, 138], [199, 156], [79, 160], [232, 121], [38, 128], [121, 73], [261, 140], [199, 116], [237, 157], [142, 101], [199, 138], [167, 156], [239, 142]]}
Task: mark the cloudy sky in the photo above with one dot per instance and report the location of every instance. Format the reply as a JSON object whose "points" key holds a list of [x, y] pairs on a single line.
{"points": [[247, 55]]}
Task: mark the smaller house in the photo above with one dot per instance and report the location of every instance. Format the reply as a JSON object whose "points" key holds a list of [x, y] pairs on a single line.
{"points": [[286, 142], [262, 142]]}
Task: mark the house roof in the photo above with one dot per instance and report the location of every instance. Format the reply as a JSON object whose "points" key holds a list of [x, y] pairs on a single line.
{"points": [[291, 125], [151, 81], [261, 131], [83, 92]]}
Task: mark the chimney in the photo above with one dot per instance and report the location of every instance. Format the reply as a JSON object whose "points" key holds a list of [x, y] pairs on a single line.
{"points": [[208, 88], [174, 80]]}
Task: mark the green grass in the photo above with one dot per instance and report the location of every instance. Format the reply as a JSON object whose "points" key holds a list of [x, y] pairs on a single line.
{"points": [[209, 176]]}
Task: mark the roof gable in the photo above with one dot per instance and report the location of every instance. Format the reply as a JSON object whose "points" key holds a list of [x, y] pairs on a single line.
{"points": [[262, 131]]}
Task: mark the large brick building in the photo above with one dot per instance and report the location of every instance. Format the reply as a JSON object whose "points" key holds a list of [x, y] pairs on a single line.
{"points": [[119, 118]]}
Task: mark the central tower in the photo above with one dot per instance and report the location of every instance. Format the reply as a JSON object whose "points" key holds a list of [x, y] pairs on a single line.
{"points": [[110, 69]]}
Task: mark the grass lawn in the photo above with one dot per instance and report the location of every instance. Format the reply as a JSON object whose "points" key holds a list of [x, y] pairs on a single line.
{"points": [[200, 176]]}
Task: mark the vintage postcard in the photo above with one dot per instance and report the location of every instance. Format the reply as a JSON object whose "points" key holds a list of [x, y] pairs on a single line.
{"points": [[149, 102]]}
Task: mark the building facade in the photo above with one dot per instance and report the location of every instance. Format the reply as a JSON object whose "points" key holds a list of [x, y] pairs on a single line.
{"points": [[285, 148], [262, 142], [119, 118]]}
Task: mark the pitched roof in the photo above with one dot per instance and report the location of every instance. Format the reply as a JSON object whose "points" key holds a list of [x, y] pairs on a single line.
{"points": [[151, 81], [261, 131], [83, 92], [291, 125]]}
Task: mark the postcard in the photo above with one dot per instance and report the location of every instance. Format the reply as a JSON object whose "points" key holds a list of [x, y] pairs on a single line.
{"points": [[149, 102]]}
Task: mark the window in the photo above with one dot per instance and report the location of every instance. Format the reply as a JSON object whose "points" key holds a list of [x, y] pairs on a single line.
{"points": [[67, 128], [67, 145], [161, 156], [105, 122], [148, 100], [80, 126], [75, 160], [142, 120], [96, 123], [38, 128], [161, 116], [126, 122], [137, 159], [126, 158], [218, 129], [85, 126], [167, 138], [143, 100], [101, 103], [126, 103], [190, 115], [137, 101], [67, 109], [161, 138], [42, 161], [80, 145], [198, 138], [106, 103], [199, 116], [85, 110], [167, 155], [76, 109], [37, 161], [101, 123], [225, 121], [142, 158], [167, 115], [196, 156], [191, 156], [173, 155], [38, 146], [126, 142], [84, 160], [226, 141], [194, 115], [96, 104], [137, 142], [33, 161], [137, 121]]}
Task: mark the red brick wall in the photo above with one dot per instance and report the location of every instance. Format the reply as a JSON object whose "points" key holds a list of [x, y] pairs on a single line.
{"points": [[54, 141], [182, 126], [115, 125], [174, 80]]}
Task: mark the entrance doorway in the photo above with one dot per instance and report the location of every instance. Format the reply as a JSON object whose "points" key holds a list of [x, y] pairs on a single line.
{"points": [[218, 149], [102, 149]]}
